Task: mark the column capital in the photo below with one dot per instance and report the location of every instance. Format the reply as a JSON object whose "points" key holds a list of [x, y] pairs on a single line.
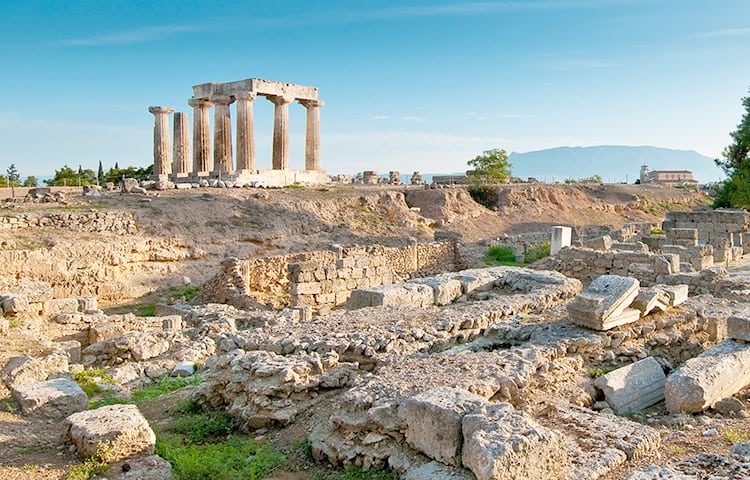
{"points": [[280, 99], [244, 95], [159, 109], [199, 102], [311, 103], [221, 99]]}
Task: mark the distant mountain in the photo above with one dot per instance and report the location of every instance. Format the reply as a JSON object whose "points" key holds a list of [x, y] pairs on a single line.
{"points": [[612, 163]]}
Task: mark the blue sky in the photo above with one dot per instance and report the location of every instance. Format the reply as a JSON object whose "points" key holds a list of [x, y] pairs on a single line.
{"points": [[417, 85]]}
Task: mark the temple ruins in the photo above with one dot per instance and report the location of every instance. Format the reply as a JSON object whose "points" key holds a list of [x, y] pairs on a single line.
{"points": [[237, 165]]}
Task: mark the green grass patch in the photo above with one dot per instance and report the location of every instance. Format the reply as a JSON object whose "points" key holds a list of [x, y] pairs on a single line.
{"points": [[500, 255], [187, 293], [294, 186], [12, 322], [90, 380], [732, 436], [166, 385], [234, 458], [91, 467], [9, 404], [107, 400], [146, 310], [34, 449]]}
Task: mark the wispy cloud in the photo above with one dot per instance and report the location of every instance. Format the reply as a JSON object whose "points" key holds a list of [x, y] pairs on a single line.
{"points": [[137, 35], [729, 32]]}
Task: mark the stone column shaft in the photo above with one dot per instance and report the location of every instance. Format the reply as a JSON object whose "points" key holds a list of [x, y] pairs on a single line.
{"points": [[181, 144], [245, 134], [162, 150], [312, 134], [201, 136], [280, 131], [222, 134]]}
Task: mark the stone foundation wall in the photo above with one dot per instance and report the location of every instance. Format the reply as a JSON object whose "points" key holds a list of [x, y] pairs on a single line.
{"points": [[715, 227], [92, 222], [325, 277]]}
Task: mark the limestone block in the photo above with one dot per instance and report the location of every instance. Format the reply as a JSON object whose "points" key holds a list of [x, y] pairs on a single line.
{"points": [[607, 296], [86, 304], [560, 238], [35, 292], [171, 322], [56, 306], [717, 373], [55, 398], [445, 289], [503, 444], [15, 304], [676, 293], [395, 294], [476, 280], [309, 288], [599, 243], [22, 370], [649, 299], [120, 430], [434, 419], [437, 471], [152, 467], [72, 348], [634, 387], [653, 472], [183, 369], [4, 326], [738, 326]]}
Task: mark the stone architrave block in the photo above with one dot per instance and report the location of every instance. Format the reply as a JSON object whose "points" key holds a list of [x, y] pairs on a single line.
{"points": [[35, 292], [503, 444], [120, 430], [677, 293], [649, 299], [607, 296], [56, 306], [15, 304], [395, 294], [634, 387], [445, 289], [433, 422], [55, 398], [738, 326], [717, 373]]}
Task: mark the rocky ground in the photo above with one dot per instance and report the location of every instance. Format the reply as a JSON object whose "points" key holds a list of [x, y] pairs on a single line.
{"points": [[186, 234]]}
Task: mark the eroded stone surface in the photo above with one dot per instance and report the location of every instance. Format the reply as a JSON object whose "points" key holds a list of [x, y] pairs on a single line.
{"points": [[603, 304], [717, 373], [55, 398], [634, 387], [116, 432]]}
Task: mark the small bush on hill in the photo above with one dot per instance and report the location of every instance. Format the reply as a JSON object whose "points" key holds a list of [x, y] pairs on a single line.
{"points": [[536, 252], [485, 195]]}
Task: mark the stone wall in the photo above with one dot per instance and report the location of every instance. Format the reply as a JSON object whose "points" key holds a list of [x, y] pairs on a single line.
{"points": [[325, 277], [91, 222], [715, 227]]}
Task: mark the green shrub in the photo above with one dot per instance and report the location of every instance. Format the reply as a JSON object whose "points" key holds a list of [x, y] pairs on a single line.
{"points": [[90, 380], [166, 385], [500, 255], [536, 252], [91, 467], [203, 427], [356, 473], [234, 458], [485, 195]]}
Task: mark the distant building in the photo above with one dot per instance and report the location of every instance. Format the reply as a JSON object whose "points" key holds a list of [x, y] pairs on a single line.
{"points": [[667, 177]]}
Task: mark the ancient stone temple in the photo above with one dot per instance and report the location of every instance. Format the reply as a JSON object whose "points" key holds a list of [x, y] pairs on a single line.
{"points": [[237, 164]]}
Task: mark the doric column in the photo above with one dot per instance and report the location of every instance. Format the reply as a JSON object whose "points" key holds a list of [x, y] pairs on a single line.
{"points": [[181, 153], [245, 135], [312, 134], [201, 136], [222, 134], [280, 131], [162, 164]]}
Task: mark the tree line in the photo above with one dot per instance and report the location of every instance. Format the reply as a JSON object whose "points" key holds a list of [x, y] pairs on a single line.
{"points": [[735, 190], [66, 176]]}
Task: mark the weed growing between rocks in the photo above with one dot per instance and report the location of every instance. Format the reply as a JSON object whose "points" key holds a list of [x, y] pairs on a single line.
{"points": [[536, 251], [91, 381], [731, 436], [166, 385], [94, 465]]}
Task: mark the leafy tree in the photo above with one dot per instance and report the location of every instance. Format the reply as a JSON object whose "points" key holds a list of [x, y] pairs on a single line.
{"points": [[3, 181], [30, 181], [12, 179], [492, 166], [66, 176], [115, 174], [735, 191], [99, 173]]}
